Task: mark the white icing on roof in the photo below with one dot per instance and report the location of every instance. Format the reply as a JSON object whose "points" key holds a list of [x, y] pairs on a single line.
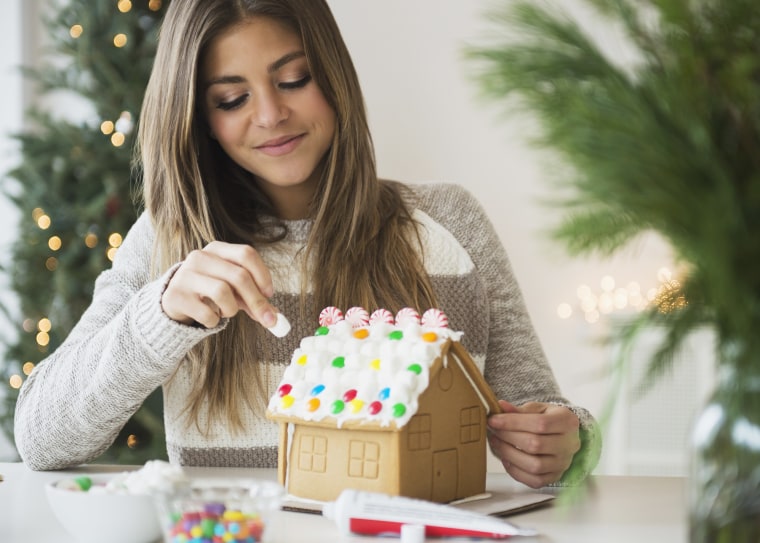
{"points": [[372, 373]]}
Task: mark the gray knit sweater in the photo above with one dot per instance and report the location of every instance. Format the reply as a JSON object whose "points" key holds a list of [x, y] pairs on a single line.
{"points": [[74, 403]]}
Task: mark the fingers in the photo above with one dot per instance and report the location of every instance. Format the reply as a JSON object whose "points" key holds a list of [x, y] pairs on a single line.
{"points": [[534, 470], [535, 441], [534, 417], [218, 281]]}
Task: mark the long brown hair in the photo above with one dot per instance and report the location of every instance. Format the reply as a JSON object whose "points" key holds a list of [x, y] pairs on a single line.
{"points": [[367, 254]]}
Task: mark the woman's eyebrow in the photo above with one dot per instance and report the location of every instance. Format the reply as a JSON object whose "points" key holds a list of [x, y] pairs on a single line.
{"points": [[283, 60], [273, 67]]}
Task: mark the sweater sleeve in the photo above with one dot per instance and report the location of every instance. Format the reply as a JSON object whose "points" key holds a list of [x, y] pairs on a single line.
{"points": [[516, 366], [75, 402]]}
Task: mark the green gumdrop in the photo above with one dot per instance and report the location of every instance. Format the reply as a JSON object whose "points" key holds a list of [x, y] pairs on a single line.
{"points": [[338, 406], [339, 362], [416, 368], [398, 410], [396, 334], [322, 331], [85, 483]]}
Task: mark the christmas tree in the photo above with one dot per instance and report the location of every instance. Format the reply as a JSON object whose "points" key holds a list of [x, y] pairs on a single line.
{"points": [[75, 189]]}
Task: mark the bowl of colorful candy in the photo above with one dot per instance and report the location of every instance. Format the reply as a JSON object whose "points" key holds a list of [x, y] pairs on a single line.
{"points": [[231, 511], [92, 509]]}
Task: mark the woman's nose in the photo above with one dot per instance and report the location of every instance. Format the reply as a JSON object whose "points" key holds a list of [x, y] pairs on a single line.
{"points": [[269, 110]]}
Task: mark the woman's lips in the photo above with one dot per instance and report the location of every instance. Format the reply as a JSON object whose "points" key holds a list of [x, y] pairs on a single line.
{"points": [[280, 146]]}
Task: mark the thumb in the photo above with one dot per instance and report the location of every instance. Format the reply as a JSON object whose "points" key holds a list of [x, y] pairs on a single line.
{"points": [[507, 407], [528, 407]]}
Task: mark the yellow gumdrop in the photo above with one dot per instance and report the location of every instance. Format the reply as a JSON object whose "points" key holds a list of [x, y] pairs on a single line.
{"points": [[356, 405], [233, 515], [429, 337], [375, 364], [287, 401], [301, 360], [196, 531]]}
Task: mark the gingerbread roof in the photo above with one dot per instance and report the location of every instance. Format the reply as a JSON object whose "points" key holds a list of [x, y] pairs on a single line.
{"points": [[369, 370]]}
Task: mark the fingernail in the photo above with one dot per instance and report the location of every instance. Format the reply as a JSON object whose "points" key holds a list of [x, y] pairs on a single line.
{"points": [[268, 319], [281, 327]]}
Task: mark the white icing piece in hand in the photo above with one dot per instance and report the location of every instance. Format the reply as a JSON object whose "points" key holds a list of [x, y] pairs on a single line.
{"points": [[281, 327]]}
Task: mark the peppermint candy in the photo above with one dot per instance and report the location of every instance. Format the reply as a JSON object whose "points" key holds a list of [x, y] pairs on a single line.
{"points": [[330, 315], [407, 315], [381, 315], [357, 317], [435, 318]]}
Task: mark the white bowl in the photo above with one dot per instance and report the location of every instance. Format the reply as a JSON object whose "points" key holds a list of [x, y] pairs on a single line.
{"points": [[95, 517]]}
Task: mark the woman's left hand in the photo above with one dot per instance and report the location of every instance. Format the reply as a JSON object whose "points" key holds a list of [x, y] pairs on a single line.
{"points": [[535, 442]]}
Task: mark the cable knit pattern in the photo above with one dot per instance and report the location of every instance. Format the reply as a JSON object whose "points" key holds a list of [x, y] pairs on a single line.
{"points": [[75, 402]]}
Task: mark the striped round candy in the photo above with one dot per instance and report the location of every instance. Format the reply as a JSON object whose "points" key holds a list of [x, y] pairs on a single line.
{"points": [[435, 318], [407, 316], [357, 317], [381, 315], [330, 315]]}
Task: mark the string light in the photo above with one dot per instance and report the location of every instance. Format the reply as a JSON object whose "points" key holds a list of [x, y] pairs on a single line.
{"points": [[51, 263], [124, 6], [154, 5], [43, 338], [132, 441], [28, 325], [43, 222], [610, 298], [54, 243], [27, 368], [107, 127], [115, 239], [117, 139], [15, 381], [120, 40], [91, 240], [44, 325], [75, 31]]}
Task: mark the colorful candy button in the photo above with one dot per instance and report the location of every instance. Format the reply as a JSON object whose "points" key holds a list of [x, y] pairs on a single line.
{"points": [[375, 407], [313, 404], [338, 362], [361, 333], [287, 401], [337, 407], [384, 393], [396, 335], [398, 410], [356, 405], [284, 389], [349, 395], [375, 364], [317, 390], [430, 337], [322, 331], [302, 360], [415, 368]]}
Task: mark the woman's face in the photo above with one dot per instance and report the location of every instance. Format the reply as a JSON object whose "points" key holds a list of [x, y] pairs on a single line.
{"points": [[265, 110]]}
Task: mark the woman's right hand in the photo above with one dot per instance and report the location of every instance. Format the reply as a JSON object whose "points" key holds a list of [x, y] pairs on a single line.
{"points": [[218, 281]]}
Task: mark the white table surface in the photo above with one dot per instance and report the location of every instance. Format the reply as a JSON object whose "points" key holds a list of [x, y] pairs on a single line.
{"points": [[617, 509]]}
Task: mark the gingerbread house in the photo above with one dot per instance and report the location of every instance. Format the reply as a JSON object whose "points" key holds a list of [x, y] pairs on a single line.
{"points": [[382, 404]]}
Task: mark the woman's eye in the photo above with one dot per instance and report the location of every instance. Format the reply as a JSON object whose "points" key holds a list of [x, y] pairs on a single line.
{"points": [[300, 83], [232, 104]]}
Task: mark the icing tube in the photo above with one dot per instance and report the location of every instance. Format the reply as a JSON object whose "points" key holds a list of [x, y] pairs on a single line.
{"points": [[370, 513]]}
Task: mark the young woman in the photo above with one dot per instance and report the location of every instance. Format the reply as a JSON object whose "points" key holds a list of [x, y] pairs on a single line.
{"points": [[261, 196]]}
